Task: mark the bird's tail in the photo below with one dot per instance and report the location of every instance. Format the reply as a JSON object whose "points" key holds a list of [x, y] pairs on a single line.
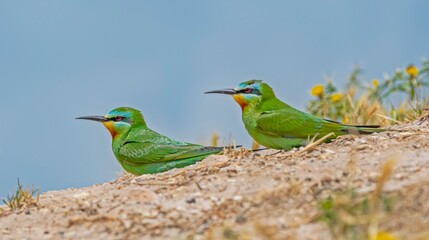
{"points": [[359, 129], [217, 149], [362, 129], [232, 146]]}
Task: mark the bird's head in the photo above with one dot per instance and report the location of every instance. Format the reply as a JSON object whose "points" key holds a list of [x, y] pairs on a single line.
{"points": [[248, 92], [119, 120]]}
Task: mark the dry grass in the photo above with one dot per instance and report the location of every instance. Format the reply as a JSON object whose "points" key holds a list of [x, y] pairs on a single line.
{"points": [[353, 216], [255, 145], [214, 139], [371, 103], [314, 141], [22, 198]]}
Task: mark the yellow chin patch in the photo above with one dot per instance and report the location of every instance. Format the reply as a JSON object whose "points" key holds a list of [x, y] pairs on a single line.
{"points": [[240, 100], [111, 128]]}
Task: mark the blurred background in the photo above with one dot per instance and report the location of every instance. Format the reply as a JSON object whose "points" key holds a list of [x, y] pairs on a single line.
{"points": [[64, 59]]}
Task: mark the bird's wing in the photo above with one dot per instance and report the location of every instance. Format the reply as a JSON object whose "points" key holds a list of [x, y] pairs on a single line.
{"points": [[293, 123], [149, 152]]}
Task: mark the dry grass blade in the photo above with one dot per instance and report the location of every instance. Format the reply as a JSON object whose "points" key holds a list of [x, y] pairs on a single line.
{"points": [[255, 145], [388, 118], [215, 139], [312, 143], [385, 173]]}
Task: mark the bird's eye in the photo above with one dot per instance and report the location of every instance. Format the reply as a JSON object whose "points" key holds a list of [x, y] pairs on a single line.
{"points": [[118, 118], [248, 90]]}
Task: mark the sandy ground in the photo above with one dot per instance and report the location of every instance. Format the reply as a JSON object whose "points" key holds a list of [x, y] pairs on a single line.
{"points": [[242, 196]]}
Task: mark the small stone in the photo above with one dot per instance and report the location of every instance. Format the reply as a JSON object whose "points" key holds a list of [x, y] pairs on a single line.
{"points": [[330, 151], [238, 198], [363, 147], [80, 194]]}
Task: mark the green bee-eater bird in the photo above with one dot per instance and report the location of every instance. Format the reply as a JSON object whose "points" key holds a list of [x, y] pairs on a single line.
{"points": [[141, 150], [277, 125]]}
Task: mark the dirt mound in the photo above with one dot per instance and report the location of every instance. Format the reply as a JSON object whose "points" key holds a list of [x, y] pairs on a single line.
{"points": [[243, 195]]}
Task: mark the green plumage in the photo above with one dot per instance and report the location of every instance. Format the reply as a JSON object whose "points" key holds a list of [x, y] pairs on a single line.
{"points": [[277, 125], [141, 150]]}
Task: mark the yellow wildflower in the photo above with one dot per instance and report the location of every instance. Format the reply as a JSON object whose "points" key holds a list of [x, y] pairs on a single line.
{"points": [[383, 236], [375, 83], [412, 70], [335, 97], [317, 90]]}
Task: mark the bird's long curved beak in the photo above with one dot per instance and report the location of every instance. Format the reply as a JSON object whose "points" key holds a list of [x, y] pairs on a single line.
{"points": [[228, 91], [94, 118]]}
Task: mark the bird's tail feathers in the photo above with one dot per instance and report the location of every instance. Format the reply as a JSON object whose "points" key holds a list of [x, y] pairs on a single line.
{"points": [[362, 129], [364, 126], [218, 149]]}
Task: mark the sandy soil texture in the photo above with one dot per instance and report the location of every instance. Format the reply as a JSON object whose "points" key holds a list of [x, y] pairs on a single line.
{"points": [[242, 195]]}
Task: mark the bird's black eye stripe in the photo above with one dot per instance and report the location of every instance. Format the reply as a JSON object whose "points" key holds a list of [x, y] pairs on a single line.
{"points": [[121, 119], [250, 91], [117, 118]]}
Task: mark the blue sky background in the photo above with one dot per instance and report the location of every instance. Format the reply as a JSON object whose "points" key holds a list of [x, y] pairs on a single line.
{"points": [[64, 59]]}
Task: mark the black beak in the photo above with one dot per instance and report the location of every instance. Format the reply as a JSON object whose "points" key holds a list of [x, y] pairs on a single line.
{"points": [[228, 91], [94, 118]]}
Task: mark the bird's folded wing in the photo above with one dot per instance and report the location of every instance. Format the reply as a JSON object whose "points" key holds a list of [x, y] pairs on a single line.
{"points": [[292, 123], [148, 152]]}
